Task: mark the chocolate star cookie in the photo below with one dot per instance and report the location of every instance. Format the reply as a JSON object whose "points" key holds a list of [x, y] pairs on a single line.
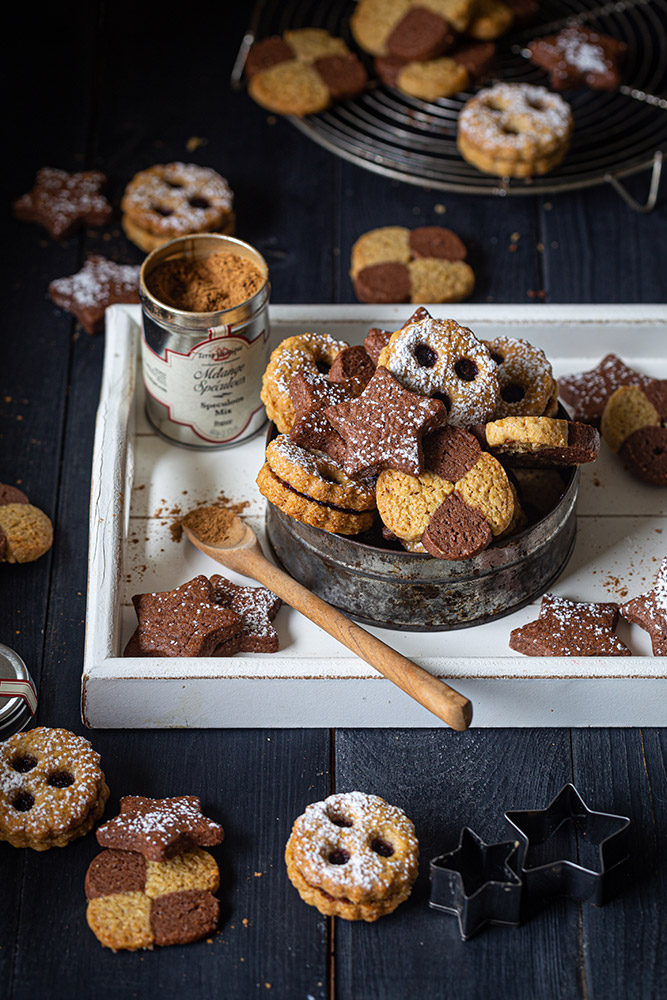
{"points": [[257, 606], [649, 611], [63, 202], [311, 393], [586, 393], [569, 628], [159, 828], [579, 56], [99, 284]]}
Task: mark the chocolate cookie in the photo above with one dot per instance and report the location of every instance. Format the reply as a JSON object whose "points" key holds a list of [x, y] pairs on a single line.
{"points": [[63, 203], [159, 829], [579, 56], [570, 628], [649, 611], [586, 393], [99, 284]]}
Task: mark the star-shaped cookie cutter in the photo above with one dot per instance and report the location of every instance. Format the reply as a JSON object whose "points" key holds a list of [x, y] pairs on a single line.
{"points": [[563, 876], [478, 882]]}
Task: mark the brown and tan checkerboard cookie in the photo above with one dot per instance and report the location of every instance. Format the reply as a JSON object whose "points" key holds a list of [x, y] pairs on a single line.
{"points": [[353, 855], [634, 425], [52, 788], [417, 29], [396, 264], [303, 72], [136, 903]]}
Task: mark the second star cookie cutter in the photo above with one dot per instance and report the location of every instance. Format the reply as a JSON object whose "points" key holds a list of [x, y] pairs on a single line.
{"points": [[535, 828]]}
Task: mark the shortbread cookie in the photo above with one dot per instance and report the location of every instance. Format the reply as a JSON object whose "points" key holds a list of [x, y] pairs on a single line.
{"points": [[99, 284], [539, 441], [490, 19], [430, 81], [649, 611], [64, 203], [310, 487], [174, 199], [396, 264], [525, 377], [439, 358], [586, 393], [570, 628], [307, 352], [52, 788], [634, 425], [515, 130], [579, 56], [303, 72], [26, 533], [134, 903], [384, 426], [353, 855], [159, 829]]}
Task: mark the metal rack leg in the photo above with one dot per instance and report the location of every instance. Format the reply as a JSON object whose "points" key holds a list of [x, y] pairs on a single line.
{"points": [[653, 190]]}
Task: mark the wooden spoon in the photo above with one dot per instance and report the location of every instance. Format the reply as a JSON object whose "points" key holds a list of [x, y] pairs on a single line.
{"points": [[240, 550]]}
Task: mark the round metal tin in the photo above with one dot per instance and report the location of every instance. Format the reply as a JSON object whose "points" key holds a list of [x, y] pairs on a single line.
{"points": [[18, 698], [203, 371], [413, 592]]}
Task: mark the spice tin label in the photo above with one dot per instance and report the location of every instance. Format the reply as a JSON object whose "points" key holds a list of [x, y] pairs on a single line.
{"points": [[213, 388]]}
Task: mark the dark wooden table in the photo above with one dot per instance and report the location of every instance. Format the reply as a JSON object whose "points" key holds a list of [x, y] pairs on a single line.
{"points": [[123, 86]]}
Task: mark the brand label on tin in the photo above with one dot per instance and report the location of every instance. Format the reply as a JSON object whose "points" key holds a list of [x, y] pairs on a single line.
{"points": [[214, 388]]}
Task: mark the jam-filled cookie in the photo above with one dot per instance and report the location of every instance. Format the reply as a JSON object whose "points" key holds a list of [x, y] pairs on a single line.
{"points": [[525, 377], [439, 358], [306, 352], [353, 855]]}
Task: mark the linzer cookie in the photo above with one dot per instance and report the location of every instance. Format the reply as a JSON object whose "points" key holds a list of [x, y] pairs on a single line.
{"points": [[579, 57], [159, 829], [353, 855], [570, 628], [26, 533], [395, 264], [376, 339], [185, 621], [634, 425], [302, 72], [174, 199], [384, 426], [52, 788], [63, 203], [439, 358], [649, 611], [525, 377], [99, 284], [586, 393], [515, 130], [542, 441], [310, 487], [136, 903], [306, 352], [257, 607]]}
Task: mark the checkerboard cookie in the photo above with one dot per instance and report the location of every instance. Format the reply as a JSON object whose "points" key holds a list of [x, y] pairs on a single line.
{"points": [[634, 425], [417, 29], [26, 533]]}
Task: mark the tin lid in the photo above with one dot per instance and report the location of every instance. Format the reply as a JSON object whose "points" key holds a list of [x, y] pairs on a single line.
{"points": [[18, 697]]}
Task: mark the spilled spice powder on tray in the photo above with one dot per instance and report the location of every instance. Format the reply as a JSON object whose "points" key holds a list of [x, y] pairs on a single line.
{"points": [[221, 281]]}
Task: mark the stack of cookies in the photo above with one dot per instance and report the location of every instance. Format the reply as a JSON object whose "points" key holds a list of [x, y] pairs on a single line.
{"points": [[426, 428], [154, 884], [52, 789], [353, 856]]}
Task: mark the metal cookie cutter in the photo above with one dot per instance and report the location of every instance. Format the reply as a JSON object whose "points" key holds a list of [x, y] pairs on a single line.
{"points": [[478, 882], [545, 873]]}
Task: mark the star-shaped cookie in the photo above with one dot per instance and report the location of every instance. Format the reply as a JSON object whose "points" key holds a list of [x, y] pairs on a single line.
{"points": [[159, 828], [570, 628], [579, 56], [257, 606], [99, 284], [63, 202], [311, 393], [649, 611], [383, 428], [586, 393], [182, 622]]}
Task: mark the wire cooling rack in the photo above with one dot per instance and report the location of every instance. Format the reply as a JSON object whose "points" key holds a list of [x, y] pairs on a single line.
{"points": [[616, 133]]}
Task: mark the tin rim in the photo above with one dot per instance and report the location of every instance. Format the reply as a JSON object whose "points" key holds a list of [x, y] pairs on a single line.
{"points": [[187, 245], [14, 712]]}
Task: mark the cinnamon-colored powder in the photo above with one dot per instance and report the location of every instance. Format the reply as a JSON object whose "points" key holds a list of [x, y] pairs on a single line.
{"points": [[222, 502], [221, 281], [211, 525]]}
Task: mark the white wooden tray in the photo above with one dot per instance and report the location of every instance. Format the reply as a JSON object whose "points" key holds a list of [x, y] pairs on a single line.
{"points": [[140, 484]]}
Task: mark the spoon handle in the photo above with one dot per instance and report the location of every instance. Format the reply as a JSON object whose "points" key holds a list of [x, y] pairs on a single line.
{"points": [[436, 696]]}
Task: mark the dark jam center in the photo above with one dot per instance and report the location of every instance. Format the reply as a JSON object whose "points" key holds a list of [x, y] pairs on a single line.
{"points": [[339, 858], [61, 779], [23, 802], [160, 210], [498, 358], [340, 821], [381, 847], [466, 369], [425, 355], [199, 203], [24, 764], [513, 393], [322, 367]]}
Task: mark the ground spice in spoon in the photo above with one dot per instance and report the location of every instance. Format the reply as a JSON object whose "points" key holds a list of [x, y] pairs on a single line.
{"points": [[176, 528], [211, 525]]}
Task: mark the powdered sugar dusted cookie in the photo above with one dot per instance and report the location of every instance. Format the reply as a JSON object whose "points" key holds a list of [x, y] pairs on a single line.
{"points": [[159, 828], [99, 284], [586, 393], [570, 628], [579, 56], [63, 202], [649, 611]]}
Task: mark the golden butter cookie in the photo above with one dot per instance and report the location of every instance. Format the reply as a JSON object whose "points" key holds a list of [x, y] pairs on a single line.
{"points": [[435, 280], [290, 88], [52, 788], [372, 22], [26, 531], [314, 512], [525, 377], [174, 199], [377, 246], [407, 503], [354, 847], [432, 80], [542, 441], [318, 476], [439, 358], [311, 44], [627, 410], [307, 352], [420, 28], [515, 130], [490, 19]]}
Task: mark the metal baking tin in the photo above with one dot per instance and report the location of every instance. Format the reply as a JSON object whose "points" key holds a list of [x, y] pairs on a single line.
{"points": [[478, 882], [563, 876], [413, 592], [203, 371], [18, 697]]}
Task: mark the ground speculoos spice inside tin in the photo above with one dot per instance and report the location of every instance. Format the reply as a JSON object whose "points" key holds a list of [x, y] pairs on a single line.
{"points": [[220, 281]]}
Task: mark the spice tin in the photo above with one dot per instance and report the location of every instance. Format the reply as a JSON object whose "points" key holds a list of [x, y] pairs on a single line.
{"points": [[203, 371], [18, 698]]}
